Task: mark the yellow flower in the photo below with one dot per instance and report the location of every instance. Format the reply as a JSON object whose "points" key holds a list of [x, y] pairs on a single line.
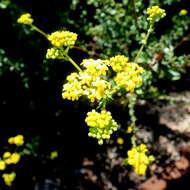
{"points": [[9, 178], [62, 38], [73, 89], [183, 12], [98, 119], [25, 19], [155, 13], [17, 140], [11, 140], [95, 68], [130, 78], [120, 140], [6, 155], [53, 155], [53, 53], [13, 159], [118, 63], [129, 129], [92, 81], [142, 148], [101, 125], [138, 159], [89, 83], [2, 165]]}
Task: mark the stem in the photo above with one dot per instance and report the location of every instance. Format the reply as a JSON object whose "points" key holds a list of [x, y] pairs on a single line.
{"points": [[144, 43], [133, 141], [39, 30], [73, 63], [131, 105]]}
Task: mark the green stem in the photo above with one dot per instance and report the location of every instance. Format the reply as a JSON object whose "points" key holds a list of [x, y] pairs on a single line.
{"points": [[131, 105], [144, 43], [39, 30], [73, 63], [133, 141]]}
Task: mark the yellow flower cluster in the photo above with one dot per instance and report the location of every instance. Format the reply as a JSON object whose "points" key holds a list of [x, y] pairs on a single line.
{"points": [[119, 62], [9, 178], [88, 83], [92, 82], [17, 140], [62, 38], [95, 68], [101, 125], [183, 12], [138, 159], [53, 53], [9, 158], [155, 13], [130, 75], [25, 19]]}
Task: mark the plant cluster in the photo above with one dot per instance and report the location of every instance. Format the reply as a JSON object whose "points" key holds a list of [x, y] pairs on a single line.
{"points": [[120, 26], [9, 158], [99, 80], [119, 66]]}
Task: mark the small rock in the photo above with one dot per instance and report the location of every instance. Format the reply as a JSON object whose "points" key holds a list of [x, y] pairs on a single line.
{"points": [[153, 183]]}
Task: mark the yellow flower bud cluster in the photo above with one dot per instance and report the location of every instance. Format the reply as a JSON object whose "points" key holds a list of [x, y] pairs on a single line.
{"points": [[138, 158], [53, 53], [183, 12], [88, 83], [91, 82], [155, 13], [95, 68], [101, 125], [25, 19], [9, 178], [118, 62], [128, 74], [17, 140], [62, 38], [9, 158]]}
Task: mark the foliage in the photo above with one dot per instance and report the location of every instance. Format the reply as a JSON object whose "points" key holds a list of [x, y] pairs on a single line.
{"points": [[117, 27], [95, 82]]}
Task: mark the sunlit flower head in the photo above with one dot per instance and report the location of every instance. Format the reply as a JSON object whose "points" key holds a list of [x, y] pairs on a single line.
{"points": [[25, 19]]}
